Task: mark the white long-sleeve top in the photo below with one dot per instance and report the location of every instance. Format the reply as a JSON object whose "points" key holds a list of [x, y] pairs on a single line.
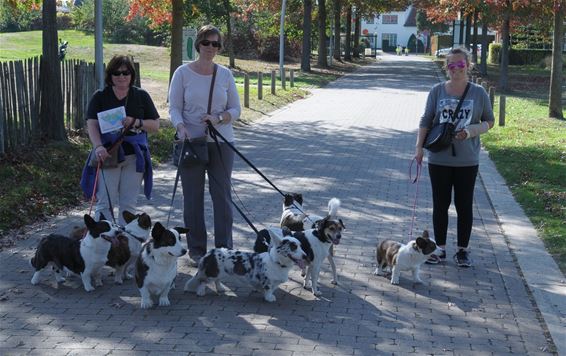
{"points": [[188, 100]]}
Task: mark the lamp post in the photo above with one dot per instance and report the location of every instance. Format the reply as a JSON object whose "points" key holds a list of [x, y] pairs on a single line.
{"points": [[98, 55], [282, 44]]}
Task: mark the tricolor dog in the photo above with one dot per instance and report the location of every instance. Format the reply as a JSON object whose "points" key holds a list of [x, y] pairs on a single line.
{"points": [[85, 257], [264, 271], [123, 255], [156, 265], [400, 257]]}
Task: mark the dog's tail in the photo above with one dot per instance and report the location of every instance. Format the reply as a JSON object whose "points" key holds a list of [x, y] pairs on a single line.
{"points": [[333, 206], [262, 242]]}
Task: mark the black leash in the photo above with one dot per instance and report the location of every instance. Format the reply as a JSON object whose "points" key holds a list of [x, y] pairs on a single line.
{"points": [[176, 183]]}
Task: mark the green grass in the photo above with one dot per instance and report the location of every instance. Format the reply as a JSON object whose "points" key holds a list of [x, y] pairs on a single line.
{"points": [[530, 153]]}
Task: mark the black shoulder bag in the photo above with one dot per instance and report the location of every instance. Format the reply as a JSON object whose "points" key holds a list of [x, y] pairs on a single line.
{"points": [[194, 151], [440, 136]]}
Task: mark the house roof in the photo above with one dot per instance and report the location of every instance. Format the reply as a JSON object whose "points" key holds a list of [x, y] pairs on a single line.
{"points": [[411, 20]]}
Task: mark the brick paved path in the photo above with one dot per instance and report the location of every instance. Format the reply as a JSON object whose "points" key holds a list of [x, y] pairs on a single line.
{"points": [[353, 140]]}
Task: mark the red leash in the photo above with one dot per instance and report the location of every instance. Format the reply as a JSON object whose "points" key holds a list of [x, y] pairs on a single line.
{"points": [[94, 190], [414, 181]]}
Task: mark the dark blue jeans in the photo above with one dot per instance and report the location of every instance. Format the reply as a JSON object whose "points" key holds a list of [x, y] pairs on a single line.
{"points": [[463, 180]]}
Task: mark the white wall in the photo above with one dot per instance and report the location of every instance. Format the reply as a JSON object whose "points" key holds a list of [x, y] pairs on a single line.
{"points": [[403, 33]]}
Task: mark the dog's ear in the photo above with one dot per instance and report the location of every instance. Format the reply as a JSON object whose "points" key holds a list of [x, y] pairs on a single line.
{"points": [[157, 230], [342, 224], [287, 199], [276, 236], [298, 198], [102, 217], [421, 242], [182, 230], [144, 221], [425, 234], [128, 217], [321, 224], [89, 221]]}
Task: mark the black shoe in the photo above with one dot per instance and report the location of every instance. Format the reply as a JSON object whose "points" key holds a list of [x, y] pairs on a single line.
{"points": [[462, 259], [435, 259]]}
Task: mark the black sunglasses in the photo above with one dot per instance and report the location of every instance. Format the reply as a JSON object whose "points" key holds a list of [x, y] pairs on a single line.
{"points": [[214, 44], [121, 72]]}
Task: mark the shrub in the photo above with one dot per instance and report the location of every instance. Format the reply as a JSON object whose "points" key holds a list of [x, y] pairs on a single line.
{"points": [[14, 20], [269, 49]]}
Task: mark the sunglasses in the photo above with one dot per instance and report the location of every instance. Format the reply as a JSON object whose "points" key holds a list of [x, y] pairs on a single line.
{"points": [[214, 44], [459, 64], [121, 72]]}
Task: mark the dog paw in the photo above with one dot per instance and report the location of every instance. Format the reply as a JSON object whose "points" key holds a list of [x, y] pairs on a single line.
{"points": [[118, 281], [394, 281], [377, 272], [145, 304], [201, 291], [98, 283], [335, 282], [164, 302], [269, 298], [35, 279], [89, 288], [317, 293], [129, 276], [418, 281]]}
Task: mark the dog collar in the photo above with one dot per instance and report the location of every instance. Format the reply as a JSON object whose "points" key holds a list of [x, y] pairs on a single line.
{"points": [[140, 239]]}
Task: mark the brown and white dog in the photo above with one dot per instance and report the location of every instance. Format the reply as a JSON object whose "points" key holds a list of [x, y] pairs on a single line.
{"points": [[402, 257]]}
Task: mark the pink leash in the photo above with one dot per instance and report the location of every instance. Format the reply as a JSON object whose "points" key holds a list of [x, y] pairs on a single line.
{"points": [[414, 181]]}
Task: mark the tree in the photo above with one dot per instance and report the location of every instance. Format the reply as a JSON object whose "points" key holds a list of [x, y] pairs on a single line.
{"points": [[177, 21], [307, 31], [348, 47], [555, 95], [322, 61], [337, 12]]}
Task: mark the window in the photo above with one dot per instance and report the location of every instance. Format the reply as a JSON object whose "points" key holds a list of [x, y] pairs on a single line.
{"points": [[391, 38], [389, 20], [370, 20]]}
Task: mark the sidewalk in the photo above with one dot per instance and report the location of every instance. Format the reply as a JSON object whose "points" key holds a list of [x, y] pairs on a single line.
{"points": [[353, 140]]}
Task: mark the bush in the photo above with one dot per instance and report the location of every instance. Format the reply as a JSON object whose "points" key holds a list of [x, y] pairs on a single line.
{"points": [[518, 56], [14, 20], [269, 49]]}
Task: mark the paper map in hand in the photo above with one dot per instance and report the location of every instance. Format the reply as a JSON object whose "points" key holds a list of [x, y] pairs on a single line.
{"points": [[111, 120]]}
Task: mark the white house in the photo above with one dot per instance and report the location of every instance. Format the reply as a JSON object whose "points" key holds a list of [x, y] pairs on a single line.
{"points": [[386, 31]]}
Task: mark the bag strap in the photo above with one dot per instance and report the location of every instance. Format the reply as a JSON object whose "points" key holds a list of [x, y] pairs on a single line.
{"points": [[211, 89], [461, 101]]}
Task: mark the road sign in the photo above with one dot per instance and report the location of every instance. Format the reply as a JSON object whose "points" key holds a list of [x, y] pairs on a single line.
{"points": [[189, 38]]}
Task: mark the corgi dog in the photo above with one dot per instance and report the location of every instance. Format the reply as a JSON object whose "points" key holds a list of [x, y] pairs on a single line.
{"points": [[156, 265], [403, 257], [264, 271], [85, 257]]}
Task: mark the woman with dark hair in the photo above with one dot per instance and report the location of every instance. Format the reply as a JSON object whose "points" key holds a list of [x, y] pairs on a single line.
{"points": [[188, 103], [456, 167], [122, 181]]}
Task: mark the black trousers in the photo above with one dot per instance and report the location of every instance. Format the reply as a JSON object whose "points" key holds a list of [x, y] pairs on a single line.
{"points": [[463, 180]]}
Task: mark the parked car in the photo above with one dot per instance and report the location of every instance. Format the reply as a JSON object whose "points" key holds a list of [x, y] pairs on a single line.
{"points": [[442, 52]]}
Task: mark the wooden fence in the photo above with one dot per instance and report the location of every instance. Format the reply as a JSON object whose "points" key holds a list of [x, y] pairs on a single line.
{"points": [[20, 98]]}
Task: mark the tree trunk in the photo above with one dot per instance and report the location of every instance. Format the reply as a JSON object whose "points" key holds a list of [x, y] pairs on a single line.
{"points": [[176, 37], [52, 125], [468, 40], [475, 38], [504, 66], [337, 11], [228, 41], [348, 46], [484, 49], [322, 53], [307, 31], [357, 28], [555, 95]]}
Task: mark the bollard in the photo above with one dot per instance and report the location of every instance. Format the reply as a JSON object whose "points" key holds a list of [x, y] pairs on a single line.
{"points": [[283, 78], [246, 90], [273, 79], [259, 85], [492, 96], [502, 100], [474, 78], [292, 77], [484, 85]]}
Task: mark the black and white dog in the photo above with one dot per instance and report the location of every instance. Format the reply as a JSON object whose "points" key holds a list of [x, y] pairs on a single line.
{"points": [[315, 242], [402, 257], [85, 257], [156, 265], [264, 271]]}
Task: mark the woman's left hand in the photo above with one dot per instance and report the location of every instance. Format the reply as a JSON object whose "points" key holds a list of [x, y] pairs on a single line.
{"points": [[128, 121], [214, 119], [461, 135]]}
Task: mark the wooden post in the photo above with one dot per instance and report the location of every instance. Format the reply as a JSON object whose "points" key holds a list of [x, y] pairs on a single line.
{"points": [[473, 78], [502, 100], [484, 85], [259, 85], [246, 90], [492, 96], [283, 78], [273, 80], [292, 77]]}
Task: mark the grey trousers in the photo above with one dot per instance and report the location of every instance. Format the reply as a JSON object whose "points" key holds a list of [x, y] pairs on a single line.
{"points": [[123, 184], [219, 170]]}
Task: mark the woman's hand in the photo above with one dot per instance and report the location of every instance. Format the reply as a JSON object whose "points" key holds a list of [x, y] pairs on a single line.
{"points": [[129, 121], [461, 135], [182, 133], [419, 153], [101, 153], [214, 119]]}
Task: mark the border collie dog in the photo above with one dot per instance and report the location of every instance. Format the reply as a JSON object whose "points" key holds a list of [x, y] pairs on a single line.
{"points": [[156, 265], [123, 254], [402, 257], [293, 213], [264, 271], [85, 257]]}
